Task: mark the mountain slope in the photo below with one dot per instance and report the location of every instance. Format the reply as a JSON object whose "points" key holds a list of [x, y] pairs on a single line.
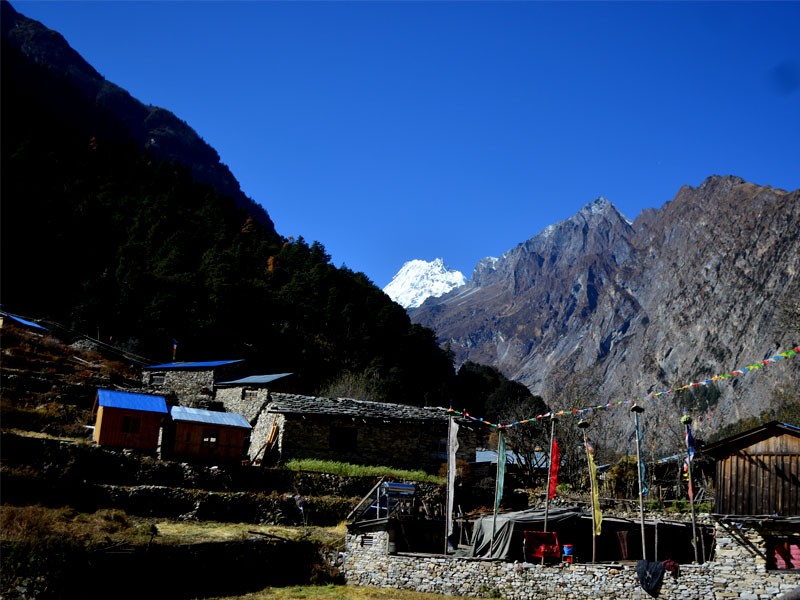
{"points": [[598, 304], [113, 238], [155, 129], [418, 280]]}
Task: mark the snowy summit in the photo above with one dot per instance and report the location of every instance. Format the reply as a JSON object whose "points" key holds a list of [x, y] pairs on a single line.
{"points": [[418, 280]]}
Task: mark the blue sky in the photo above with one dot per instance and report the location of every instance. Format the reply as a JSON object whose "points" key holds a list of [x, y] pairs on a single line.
{"points": [[391, 131]]}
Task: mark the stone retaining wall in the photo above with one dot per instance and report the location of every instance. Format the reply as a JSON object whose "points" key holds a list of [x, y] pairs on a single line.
{"points": [[737, 572]]}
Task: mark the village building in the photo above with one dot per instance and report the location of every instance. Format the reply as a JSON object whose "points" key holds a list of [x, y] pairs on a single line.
{"points": [[191, 383], [199, 435], [128, 420], [748, 548], [363, 432], [249, 395], [757, 490]]}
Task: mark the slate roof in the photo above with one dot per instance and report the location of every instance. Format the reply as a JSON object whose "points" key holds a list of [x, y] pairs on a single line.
{"points": [[295, 404], [198, 415], [132, 401], [186, 366], [253, 380]]}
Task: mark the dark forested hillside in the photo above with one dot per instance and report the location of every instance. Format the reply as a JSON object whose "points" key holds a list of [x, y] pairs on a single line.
{"points": [[105, 236]]}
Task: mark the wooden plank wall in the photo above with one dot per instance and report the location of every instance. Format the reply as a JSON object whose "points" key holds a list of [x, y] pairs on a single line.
{"points": [[230, 446], [762, 479], [108, 428]]}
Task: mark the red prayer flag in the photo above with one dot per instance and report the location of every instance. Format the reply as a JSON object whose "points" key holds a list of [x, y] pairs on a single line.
{"points": [[554, 460]]}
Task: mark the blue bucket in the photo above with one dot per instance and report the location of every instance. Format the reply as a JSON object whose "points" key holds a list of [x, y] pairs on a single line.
{"points": [[567, 549]]}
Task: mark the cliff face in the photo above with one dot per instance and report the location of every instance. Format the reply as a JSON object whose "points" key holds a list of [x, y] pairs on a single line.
{"points": [[688, 291]]}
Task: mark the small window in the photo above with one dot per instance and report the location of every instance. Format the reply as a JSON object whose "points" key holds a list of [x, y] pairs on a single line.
{"points": [[158, 379], [210, 438], [251, 394], [343, 438], [439, 448], [131, 424]]}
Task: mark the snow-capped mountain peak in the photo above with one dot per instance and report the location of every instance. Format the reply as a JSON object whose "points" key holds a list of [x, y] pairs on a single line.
{"points": [[418, 280]]}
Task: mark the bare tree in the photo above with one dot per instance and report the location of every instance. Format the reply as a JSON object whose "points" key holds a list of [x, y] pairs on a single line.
{"points": [[359, 386]]}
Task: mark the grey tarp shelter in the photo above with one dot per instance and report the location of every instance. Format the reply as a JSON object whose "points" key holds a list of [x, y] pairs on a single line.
{"points": [[509, 527]]}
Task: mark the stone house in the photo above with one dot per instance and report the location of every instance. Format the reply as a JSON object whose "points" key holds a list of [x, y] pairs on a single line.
{"points": [[356, 431], [192, 383], [249, 395], [128, 420]]}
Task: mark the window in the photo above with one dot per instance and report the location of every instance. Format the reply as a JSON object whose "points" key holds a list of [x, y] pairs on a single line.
{"points": [[131, 424], [158, 379], [251, 394], [210, 438], [439, 448], [343, 438]]}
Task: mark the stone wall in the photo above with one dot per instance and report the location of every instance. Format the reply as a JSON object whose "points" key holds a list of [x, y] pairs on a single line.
{"points": [[397, 444], [738, 571], [234, 401], [194, 389]]}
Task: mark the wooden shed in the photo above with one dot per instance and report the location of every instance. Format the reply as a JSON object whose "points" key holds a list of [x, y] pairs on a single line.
{"points": [[758, 471], [128, 420], [208, 436]]}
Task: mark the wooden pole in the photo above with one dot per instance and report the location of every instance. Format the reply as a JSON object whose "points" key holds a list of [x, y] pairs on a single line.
{"points": [[583, 425], [549, 472], [449, 497], [687, 421], [636, 409], [496, 489]]}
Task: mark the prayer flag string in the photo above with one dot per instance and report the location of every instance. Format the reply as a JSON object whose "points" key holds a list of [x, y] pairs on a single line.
{"points": [[579, 411]]}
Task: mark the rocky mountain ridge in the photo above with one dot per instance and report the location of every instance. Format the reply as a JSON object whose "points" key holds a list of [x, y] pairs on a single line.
{"points": [[599, 307], [155, 129]]}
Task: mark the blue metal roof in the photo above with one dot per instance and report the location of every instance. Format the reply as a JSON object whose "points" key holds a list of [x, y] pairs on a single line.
{"points": [[130, 400], [209, 364], [198, 415], [255, 379], [23, 321]]}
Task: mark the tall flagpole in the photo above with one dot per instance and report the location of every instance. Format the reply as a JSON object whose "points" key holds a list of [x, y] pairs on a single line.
{"points": [[636, 410], [687, 421], [549, 471], [452, 449], [498, 483], [583, 425]]}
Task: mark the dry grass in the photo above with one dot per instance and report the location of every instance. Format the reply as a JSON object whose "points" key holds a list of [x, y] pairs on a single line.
{"points": [[36, 523]]}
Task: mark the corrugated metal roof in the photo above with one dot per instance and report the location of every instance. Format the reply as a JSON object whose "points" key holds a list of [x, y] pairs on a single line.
{"points": [[348, 407], [133, 401], [22, 321], [254, 380], [490, 456], [208, 364], [198, 415]]}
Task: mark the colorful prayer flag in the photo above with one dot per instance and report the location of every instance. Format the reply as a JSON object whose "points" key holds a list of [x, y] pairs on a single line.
{"points": [[554, 460], [598, 516], [501, 469], [452, 448]]}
